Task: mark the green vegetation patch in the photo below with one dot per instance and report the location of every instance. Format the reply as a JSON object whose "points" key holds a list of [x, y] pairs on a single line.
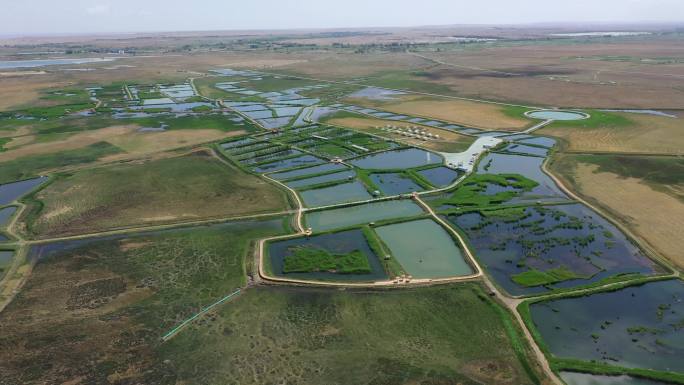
{"points": [[596, 119], [471, 192], [30, 166], [536, 277], [312, 259]]}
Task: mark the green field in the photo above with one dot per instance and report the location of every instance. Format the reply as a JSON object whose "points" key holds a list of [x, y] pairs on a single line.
{"points": [[177, 189], [308, 260], [471, 191]]}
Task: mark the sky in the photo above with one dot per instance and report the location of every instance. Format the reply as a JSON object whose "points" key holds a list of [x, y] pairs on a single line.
{"points": [[40, 17]]}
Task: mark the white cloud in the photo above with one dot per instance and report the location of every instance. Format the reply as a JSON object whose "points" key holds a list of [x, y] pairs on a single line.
{"points": [[98, 9]]}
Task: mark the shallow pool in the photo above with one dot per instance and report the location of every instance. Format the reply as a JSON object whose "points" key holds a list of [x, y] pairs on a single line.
{"points": [[556, 115], [636, 327], [439, 176], [398, 159], [308, 171], [344, 175], [573, 378], [395, 183], [341, 193], [336, 243], [288, 163], [424, 249], [6, 214], [361, 214]]}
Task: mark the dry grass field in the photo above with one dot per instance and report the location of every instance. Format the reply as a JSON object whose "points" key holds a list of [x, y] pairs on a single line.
{"points": [[480, 115], [654, 215], [191, 187], [622, 74], [645, 135], [449, 141]]}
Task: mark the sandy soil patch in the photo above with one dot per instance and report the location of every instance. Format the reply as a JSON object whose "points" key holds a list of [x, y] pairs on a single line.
{"points": [[650, 135], [75, 141], [473, 114], [653, 215]]}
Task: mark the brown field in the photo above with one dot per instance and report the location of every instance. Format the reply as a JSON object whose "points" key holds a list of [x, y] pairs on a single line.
{"points": [[480, 115], [135, 144], [648, 135], [626, 74], [655, 216], [450, 141], [346, 66], [186, 188]]}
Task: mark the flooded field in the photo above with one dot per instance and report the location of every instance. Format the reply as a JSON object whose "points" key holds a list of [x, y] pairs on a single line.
{"points": [[534, 249], [636, 327], [333, 251], [527, 166], [341, 193], [361, 214], [424, 249], [398, 159], [12, 191], [395, 183]]}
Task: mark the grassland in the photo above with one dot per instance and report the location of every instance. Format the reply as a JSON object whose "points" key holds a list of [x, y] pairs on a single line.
{"points": [[166, 190], [307, 260], [644, 193], [621, 133], [97, 311], [481, 115]]}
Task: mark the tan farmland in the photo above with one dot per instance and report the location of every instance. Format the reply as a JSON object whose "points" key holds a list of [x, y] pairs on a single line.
{"points": [[648, 135], [480, 115]]}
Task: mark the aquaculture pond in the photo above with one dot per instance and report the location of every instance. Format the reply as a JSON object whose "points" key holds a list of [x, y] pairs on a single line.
{"points": [[6, 214], [527, 166], [11, 191], [531, 249], [288, 163], [636, 327], [397, 159], [338, 176], [341, 193], [275, 154], [526, 150], [301, 172], [574, 378], [439, 176], [361, 214], [539, 141], [395, 183], [5, 260], [343, 256], [424, 249]]}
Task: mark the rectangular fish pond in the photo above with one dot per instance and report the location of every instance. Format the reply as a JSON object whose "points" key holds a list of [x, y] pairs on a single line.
{"points": [[301, 172], [5, 214], [424, 249], [5, 260], [526, 150], [362, 214], [533, 249], [343, 256], [635, 327], [395, 183], [398, 159], [341, 193], [338, 176], [440, 176], [288, 163]]}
